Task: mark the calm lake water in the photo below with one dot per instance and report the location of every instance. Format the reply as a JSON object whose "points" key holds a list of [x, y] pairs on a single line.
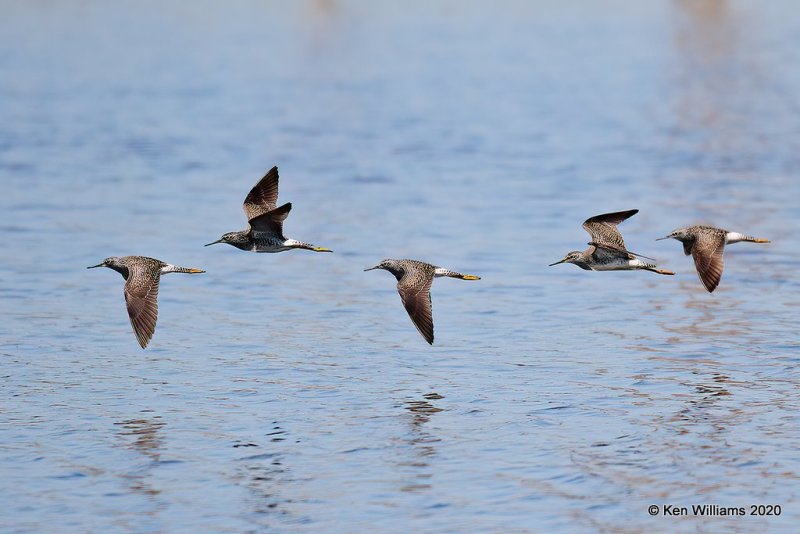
{"points": [[290, 392]]}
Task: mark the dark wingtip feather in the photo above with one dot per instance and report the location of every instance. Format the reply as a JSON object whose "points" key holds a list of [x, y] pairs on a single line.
{"points": [[614, 217]]}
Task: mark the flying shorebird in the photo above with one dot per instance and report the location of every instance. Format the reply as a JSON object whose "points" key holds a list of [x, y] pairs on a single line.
{"points": [[414, 279], [265, 229], [141, 289], [706, 245], [607, 250]]}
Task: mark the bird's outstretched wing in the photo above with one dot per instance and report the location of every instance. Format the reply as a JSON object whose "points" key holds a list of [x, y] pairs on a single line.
{"points": [[271, 222], [603, 228], [263, 197], [604, 233], [707, 254], [141, 294], [415, 292]]}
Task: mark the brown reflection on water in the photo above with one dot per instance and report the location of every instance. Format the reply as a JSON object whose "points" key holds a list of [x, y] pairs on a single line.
{"points": [[322, 23], [716, 93], [706, 38], [422, 442], [144, 436], [708, 75]]}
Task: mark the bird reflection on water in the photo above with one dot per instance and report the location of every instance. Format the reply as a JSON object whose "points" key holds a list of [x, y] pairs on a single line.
{"points": [[148, 440], [261, 471], [421, 442]]}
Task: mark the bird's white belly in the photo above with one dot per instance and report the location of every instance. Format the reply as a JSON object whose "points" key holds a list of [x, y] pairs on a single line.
{"points": [[269, 248], [617, 265]]}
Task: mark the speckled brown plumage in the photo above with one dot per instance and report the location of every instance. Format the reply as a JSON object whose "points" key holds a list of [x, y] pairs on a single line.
{"points": [[263, 197], [706, 245], [414, 280], [607, 251], [603, 229], [142, 276]]}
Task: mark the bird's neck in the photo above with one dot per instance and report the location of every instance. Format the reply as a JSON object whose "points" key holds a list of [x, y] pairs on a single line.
{"points": [[121, 269]]}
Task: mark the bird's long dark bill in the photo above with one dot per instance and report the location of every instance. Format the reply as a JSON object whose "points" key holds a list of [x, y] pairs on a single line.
{"points": [[94, 266], [371, 269], [556, 263], [213, 243], [662, 238]]}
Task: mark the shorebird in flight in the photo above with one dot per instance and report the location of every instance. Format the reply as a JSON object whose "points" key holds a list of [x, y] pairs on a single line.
{"points": [[142, 276], [706, 245], [414, 279], [607, 250], [265, 228]]}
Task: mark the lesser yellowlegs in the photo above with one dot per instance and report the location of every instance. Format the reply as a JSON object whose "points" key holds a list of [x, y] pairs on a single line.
{"points": [[265, 230], [607, 250], [142, 275], [414, 279], [706, 245]]}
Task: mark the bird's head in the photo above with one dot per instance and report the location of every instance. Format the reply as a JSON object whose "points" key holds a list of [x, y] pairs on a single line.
{"points": [[111, 262], [393, 266], [118, 264], [681, 234], [237, 239], [571, 257]]}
